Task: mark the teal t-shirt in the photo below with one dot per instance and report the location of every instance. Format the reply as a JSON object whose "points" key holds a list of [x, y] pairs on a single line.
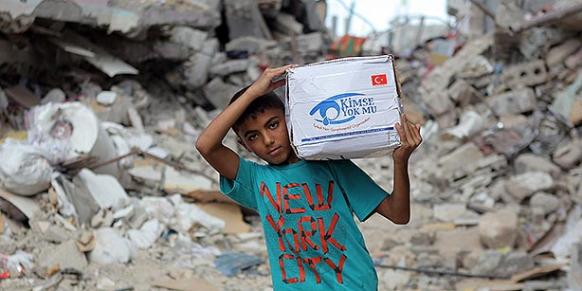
{"points": [[307, 213]]}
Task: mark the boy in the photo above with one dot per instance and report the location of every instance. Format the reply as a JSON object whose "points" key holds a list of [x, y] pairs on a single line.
{"points": [[306, 207]]}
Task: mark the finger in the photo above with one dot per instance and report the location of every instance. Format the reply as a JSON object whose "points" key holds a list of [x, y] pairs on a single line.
{"points": [[416, 131], [277, 84], [413, 132], [280, 70], [402, 134], [404, 122]]}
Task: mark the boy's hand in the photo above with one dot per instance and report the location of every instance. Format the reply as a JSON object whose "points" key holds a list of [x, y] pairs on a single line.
{"points": [[265, 83], [410, 139]]}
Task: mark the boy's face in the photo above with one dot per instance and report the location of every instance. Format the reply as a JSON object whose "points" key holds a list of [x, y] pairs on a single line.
{"points": [[266, 136]]}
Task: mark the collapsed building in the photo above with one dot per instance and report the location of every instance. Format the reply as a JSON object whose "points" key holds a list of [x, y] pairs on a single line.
{"points": [[101, 188]]}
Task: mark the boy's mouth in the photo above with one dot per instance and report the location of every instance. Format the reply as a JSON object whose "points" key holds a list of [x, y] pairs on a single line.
{"points": [[276, 151]]}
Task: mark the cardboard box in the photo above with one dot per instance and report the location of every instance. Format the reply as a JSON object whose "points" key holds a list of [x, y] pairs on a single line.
{"points": [[343, 109]]}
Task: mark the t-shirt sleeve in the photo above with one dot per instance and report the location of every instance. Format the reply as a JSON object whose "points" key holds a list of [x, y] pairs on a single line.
{"points": [[362, 193], [241, 190]]}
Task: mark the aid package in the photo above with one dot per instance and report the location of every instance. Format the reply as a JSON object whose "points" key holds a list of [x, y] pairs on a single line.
{"points": [[343, 109]]}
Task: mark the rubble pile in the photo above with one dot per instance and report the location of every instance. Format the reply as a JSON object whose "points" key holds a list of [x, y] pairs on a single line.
{"points": [[500, 166], [100, 103], [101, 187]]}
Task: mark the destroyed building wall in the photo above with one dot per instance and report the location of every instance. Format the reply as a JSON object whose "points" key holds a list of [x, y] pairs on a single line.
{"points": [[495, 189]]}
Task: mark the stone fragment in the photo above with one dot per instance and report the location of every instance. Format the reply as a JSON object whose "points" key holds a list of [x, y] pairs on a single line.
{"points": [[64, 256], [488, 263], [219, 92], [55, 95], [189, 37], [513, 102], [230, 67], [310, 43], [249, 44], [422, 239], [526, 74], [438, 103], [478, 66], [545, 201], [559, 53], [568, 155], [197, 69], [515, 262], [534, 163], [287, 24], [448, 212], [575, 60], [461, 159], [463, 94], [244, 18], [498, 229], [110, 247], [526, 184]]}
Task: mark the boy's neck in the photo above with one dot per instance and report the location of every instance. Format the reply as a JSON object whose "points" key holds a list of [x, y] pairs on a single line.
{"points": [[290, 160]]}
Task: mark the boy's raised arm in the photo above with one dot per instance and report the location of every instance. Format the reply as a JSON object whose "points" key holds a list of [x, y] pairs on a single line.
{"points": [[209, 143]]}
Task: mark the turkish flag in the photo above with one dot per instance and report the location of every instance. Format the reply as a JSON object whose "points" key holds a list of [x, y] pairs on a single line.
{"points": [[378, 80]]}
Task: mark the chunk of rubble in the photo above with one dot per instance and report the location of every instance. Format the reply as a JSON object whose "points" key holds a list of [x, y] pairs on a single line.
{"points": [[110, 247], [569, 155], [545, 201], [498, 229], [64, 256], [534, 163], [526, 184]]}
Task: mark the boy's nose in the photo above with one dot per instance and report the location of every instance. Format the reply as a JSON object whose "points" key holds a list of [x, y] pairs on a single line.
{"points": [[269, 140]]}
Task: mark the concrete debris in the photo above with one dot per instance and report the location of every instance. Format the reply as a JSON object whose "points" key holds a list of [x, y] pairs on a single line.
{"points": [[526, 184], [101, 102], [547, 202], [498, 229], [64, 256], [110, 247], [24, 170]]}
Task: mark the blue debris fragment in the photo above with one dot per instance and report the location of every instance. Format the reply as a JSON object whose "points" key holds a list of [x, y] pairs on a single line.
{"points": [[232, 263]]}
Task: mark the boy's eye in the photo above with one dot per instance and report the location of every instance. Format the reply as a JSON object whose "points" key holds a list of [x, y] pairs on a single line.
{"points": [[251, 137], [273, 125]]}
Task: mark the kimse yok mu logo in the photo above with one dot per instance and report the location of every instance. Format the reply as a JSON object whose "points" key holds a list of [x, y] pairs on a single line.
{"points": [[343, 108]]}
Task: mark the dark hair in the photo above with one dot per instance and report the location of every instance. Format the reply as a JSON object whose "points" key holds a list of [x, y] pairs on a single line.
{"points": [[259, 105]]}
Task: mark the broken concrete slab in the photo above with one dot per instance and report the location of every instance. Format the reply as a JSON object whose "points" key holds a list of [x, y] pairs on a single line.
{"points": [[230, 67], [449, 212], [513, 102], [219, 93], [498, 229], [462, 93], [548, 203], [147, 235], [64, 256], [24, 169], [27, 206], [524, 185], [525, 74], [559, 53], [534, 163], [55, 95], [196, 70], [568, 155], [192, 38], [105, 189], [244, 19], [286, 23], [461, 159], [110, 247], [249, 44]]}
